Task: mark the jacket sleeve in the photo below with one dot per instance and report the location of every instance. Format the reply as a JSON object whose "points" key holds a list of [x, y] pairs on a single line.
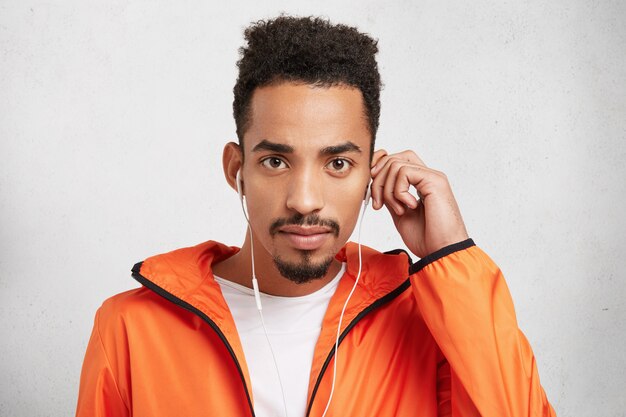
{"points": [[98, 395], [490, 369]]}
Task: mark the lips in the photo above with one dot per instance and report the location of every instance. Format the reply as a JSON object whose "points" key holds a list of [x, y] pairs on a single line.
{"points": [[305, 237], [304, 230]]}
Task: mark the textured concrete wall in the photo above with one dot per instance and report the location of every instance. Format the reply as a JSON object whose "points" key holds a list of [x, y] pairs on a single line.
{"points": [[113, 116]]}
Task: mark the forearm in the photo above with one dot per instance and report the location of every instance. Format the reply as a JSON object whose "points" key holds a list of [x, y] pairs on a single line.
{"points": [[466, 304]]}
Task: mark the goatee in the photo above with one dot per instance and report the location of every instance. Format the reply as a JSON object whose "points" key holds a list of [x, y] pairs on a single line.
{"points": [[305, 271]]}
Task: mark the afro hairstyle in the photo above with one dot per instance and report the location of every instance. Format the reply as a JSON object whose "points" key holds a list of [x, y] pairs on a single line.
{"points": [[308, 50]]}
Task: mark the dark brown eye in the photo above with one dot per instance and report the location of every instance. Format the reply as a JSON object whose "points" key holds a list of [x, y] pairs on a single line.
{"points": [[273, 163], [339, 165]]}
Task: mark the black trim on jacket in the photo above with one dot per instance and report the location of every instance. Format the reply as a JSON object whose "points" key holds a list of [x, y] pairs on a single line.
{"points": [[379, 302], [181, 303], [445, 251], [398, 252]]}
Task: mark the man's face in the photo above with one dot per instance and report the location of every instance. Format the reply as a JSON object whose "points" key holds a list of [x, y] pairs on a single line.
{"points": [[305, 173]]}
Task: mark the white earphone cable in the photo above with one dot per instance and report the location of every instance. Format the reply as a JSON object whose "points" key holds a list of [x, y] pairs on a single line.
{"points": [[343, 310], [257, 298]]}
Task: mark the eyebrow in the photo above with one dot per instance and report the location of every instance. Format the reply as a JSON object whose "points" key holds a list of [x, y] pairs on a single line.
{"points": [[266, 145], [337, 149]]}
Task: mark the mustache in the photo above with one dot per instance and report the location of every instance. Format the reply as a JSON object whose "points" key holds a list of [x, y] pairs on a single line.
{"points": [[308, 220]]}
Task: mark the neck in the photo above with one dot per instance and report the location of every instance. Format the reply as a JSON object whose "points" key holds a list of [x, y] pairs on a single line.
{"points": [[238, 269]]}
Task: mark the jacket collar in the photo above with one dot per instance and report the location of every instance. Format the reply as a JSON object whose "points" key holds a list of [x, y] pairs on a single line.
{"points": [[185, 272]]}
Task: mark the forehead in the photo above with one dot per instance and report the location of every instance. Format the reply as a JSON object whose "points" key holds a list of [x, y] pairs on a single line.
{"points": [[307, 117]]}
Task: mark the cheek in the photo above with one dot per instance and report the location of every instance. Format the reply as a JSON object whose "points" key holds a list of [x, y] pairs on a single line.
{"points": [[350, 208], [263, 195], [263, 208]]}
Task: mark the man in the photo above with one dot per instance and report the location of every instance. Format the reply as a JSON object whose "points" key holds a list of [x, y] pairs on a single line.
{"points": [[434, 338]]}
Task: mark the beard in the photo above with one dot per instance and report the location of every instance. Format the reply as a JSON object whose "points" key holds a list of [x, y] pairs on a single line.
{"points": [[304, 271]]}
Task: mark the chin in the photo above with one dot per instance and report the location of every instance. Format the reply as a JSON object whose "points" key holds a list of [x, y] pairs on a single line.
{"points": [[305, 269]]}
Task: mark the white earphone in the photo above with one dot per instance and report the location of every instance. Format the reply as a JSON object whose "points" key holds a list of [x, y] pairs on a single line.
{"points": [[368, 193], [257, 295], [255, 283], [240, 192]]}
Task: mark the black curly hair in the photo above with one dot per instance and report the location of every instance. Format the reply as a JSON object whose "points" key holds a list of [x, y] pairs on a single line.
{"points": [[310, 50]]}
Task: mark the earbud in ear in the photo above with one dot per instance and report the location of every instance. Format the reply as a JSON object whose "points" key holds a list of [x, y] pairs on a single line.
{"points": [[240, 192], [368, 193], [239, 184]]}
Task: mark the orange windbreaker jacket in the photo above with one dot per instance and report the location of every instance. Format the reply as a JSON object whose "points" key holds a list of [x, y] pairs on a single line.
{"points": [[436, 338]]}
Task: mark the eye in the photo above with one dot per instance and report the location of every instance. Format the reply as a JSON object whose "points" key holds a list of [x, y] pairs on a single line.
{"points": [[339, 165], [273, 162]]}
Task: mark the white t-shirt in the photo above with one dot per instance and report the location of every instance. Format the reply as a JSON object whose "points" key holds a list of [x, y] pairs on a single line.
{"points": [[293, 327]]}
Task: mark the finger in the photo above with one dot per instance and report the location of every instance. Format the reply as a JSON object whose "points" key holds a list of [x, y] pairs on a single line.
{"points": [[400, 179], [379, 179], [411, 157], [402, 185], [427, 182], [376, 169], [389, 189], [377, 192], [406, 156], [378, 173]]}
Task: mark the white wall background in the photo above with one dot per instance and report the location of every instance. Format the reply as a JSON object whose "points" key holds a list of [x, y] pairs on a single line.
{"points": [[113, 115]]}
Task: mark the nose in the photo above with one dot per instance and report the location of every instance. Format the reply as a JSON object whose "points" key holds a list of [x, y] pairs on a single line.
{"points": [[305, 194]]}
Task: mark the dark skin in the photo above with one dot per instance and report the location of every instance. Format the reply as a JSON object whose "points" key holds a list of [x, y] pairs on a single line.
{"points": [[307, 153]]}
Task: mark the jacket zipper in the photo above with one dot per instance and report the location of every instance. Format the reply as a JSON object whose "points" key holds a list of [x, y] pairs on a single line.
{"points": [[379, 302], [169, 296]]}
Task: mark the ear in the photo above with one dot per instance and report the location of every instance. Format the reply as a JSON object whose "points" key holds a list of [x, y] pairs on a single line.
{"points": [[377, 155], [232, 161]]}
